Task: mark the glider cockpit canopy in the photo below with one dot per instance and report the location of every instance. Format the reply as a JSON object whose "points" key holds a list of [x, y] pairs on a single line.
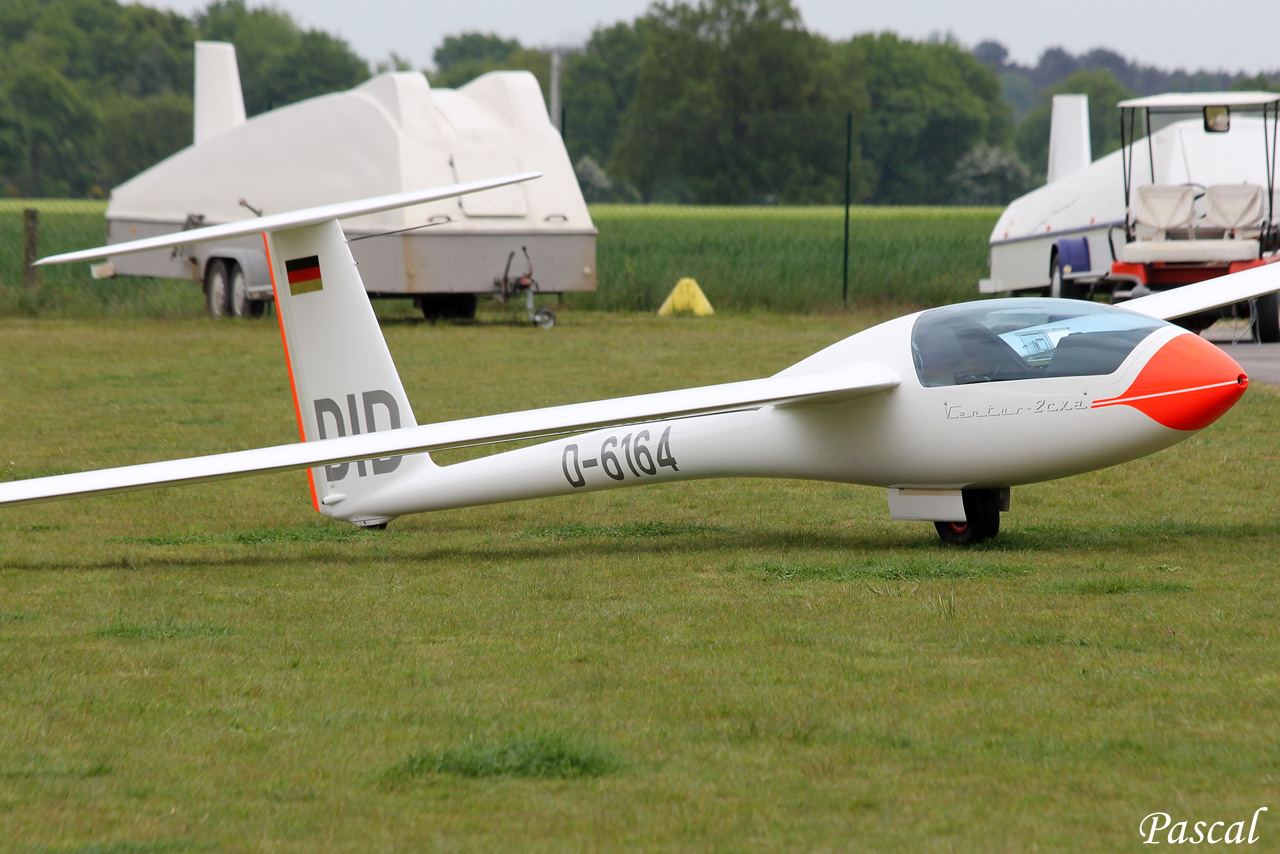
{"points": [[1020, 339]]}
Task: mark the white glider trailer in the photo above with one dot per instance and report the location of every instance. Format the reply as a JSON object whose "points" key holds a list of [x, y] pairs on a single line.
{"points": [[1189, 196], [391, 134]]}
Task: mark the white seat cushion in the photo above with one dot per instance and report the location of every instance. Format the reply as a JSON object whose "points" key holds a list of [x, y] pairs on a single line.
{"points": [[1165, 206], [1233, 206], [1189, 251]]}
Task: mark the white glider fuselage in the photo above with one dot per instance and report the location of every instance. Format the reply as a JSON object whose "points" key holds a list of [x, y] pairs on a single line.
{"points": [[981, 434]]}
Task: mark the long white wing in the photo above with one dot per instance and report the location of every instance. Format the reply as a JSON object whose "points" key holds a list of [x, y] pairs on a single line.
{"points": [[292, 219], [1214, 293], [792, 390]]}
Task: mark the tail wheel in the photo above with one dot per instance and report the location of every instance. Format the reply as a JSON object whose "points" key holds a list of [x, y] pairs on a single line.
{"points": [[982, 519], [217, 291]]}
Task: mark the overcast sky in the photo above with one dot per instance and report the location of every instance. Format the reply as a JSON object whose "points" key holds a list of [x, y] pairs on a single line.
{"points": [[1170, 34]]}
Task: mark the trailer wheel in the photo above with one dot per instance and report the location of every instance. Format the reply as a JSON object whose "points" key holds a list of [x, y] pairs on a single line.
{"points": [[1060, 288], [238, 294], [544, 318], [1269, 318], [982, 519], [216, 289]]}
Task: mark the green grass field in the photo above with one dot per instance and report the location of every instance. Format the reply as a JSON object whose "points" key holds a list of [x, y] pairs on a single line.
{"points": [[713, 666], [789, 259], [768, 258]]}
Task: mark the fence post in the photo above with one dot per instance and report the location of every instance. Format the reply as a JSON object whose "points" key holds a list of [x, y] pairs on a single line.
{"points": [[31, 248], [848, 199]]}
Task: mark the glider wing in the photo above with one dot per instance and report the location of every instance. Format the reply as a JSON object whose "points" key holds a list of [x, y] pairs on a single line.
{"points": [[791, 390], [1212, 293]]}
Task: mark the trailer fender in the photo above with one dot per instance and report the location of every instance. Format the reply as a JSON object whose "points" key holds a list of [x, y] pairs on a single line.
{"points": [[1073, 256]]}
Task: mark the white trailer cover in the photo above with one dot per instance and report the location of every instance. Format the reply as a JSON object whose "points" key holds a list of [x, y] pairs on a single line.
{"points": [[391, 134]]}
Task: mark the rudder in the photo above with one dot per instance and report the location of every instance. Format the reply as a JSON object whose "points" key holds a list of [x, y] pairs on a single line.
{"points": [[343, 379]]}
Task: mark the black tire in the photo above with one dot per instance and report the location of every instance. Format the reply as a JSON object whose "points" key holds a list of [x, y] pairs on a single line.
{"points": [[217, 290], [238, 302], [1060, 288], [1269, 318], [448, 306], [982, 519]]}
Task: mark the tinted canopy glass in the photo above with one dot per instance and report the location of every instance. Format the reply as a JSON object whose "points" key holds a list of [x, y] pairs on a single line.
{"points": [[1021, 339]]}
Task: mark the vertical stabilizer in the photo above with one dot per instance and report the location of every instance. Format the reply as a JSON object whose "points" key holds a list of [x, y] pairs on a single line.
{"points": [[1069, 148], [344, 381], [340, 370], [219, 100]]}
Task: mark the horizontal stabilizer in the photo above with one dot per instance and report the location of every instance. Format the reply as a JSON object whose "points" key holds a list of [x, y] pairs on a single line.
{"points": [[1213, 293], [791, 390], [292, 219]]}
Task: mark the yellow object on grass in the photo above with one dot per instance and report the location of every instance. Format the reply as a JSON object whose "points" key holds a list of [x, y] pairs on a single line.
{"points": [[686, 296]]}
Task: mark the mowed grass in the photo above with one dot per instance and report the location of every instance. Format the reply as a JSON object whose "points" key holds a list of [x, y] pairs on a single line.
{"points": [[786, 259], [722, 665]]}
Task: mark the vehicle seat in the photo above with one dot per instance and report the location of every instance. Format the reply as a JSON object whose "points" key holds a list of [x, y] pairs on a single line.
{"points": [[1164, 207], [1233, 206]]}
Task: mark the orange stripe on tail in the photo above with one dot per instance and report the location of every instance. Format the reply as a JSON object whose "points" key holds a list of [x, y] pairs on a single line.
{"points": [[288, 364]]}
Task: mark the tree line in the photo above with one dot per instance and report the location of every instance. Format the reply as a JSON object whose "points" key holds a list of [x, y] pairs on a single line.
{"points": [[704, 101], [93, 91]]}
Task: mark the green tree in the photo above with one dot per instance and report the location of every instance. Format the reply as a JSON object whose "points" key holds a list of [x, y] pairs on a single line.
{"points": [[110, 47], [462, 58], [64, 67], [92, 91], [598, 85], [12, 145], [989, 176], [735, 102], [55, 133], [1104, 91], [1257, 83], [931, 103], [140, 132]]}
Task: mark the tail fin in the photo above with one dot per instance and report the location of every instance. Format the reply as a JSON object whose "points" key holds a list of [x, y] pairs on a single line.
{"points": [[343, 379], [344, 382], [219, 100], [1069, 146]]}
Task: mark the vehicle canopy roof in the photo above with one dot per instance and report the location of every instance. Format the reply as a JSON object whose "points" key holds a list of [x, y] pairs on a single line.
{"points": [[1177, 102]]}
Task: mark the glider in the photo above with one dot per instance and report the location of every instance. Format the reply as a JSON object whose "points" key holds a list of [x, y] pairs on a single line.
{"points": [[946, 408]]}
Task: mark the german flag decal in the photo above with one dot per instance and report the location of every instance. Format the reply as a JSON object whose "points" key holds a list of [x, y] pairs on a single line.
{"points": [[304, 275]]}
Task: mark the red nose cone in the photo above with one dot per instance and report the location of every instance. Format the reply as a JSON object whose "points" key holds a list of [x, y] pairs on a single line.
{"points": [[1187, 385]]}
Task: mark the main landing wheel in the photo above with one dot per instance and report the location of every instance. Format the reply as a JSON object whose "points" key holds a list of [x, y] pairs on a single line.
{"points": [[982, 519]]}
